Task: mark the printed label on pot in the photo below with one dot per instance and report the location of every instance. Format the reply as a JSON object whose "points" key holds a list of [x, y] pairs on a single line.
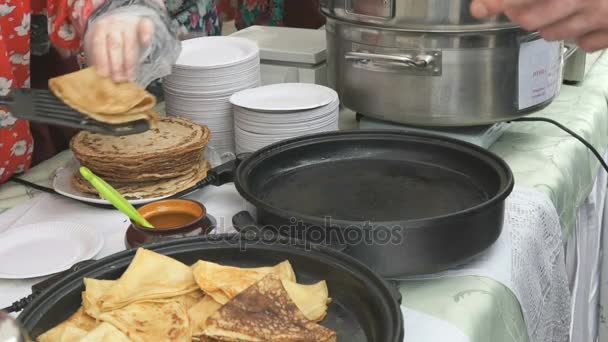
{"points": [[539, 72]]}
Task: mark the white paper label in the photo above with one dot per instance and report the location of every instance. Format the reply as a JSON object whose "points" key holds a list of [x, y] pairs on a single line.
{"points": [[539, 72]]}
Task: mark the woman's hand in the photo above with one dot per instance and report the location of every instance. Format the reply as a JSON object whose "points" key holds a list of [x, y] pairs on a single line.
{"points": [[114, 45], [584, 21]]}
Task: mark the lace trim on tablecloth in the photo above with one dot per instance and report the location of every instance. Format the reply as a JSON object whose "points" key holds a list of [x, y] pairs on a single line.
{"points": [[528, 258]]}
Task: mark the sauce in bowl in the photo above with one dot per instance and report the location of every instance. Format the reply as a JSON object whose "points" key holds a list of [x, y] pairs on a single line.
{"points": [[172, 219]]}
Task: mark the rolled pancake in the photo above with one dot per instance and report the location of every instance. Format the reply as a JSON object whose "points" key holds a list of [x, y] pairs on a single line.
{"points": [[223, 283], [150, 276], [90, 93]]}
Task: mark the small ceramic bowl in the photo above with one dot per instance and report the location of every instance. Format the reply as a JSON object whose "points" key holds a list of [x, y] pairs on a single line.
{"points": [[172, 219]]}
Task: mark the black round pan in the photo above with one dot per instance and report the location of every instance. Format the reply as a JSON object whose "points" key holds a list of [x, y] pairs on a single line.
{"points": [[402, 203], [364, 307]]}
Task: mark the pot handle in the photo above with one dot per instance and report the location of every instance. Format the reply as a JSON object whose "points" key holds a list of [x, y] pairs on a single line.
{"points": [[419, 61], [217, 176], [244, 223], [393, 286], [570, 51]]}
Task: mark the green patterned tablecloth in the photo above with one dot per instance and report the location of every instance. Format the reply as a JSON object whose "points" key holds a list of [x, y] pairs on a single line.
{"points": [[541, 156]]}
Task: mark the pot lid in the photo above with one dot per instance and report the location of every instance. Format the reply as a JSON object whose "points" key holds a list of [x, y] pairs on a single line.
{"points": [[286, 44]]}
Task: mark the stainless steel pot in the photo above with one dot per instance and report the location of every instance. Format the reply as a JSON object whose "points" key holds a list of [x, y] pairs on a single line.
{"points": [[429, 63], [419, 15]]}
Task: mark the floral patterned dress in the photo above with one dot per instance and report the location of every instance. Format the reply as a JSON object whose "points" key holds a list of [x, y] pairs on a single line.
{"points": [[66, 20], [260, 12]]}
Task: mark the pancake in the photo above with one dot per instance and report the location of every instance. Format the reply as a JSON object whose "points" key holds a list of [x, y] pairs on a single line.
{"points": [[72, 329], [171, 137], [102, 98], [223, 283], [264, 312], [150, 189], [150, 276], [150, 321]]}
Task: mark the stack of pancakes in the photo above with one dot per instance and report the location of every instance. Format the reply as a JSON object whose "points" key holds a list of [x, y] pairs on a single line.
{"points": [[160, 162]]}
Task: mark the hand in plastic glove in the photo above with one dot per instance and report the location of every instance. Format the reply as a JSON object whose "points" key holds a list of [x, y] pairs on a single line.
{"points": [[114, 44], [584, 21]]}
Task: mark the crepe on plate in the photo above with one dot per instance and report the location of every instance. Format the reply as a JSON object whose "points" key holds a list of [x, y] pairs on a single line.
{"points": [[158, 162], [264, 312], [150, 188], [104, 100]]}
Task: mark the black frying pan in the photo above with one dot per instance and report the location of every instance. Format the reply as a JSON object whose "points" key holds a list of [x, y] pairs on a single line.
{"points": [[364, 307], [439, 201]]}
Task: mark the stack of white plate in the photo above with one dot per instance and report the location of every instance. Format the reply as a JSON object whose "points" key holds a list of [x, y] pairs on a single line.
{"points": [[272, 113], [207, 73]]}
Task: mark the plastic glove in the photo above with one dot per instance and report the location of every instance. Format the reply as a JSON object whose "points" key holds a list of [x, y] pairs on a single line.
{"points": [[114, 45], [131, 40], [584, 21]]}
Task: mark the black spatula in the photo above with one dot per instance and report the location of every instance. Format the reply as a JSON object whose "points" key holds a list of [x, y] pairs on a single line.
{"points": [[42, 106]]}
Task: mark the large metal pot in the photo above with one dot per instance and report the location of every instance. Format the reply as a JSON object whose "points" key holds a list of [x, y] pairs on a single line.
{"points": [[419, 15], [431, 68]]}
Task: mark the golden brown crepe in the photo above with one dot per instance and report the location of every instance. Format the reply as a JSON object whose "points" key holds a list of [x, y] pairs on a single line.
{"points": [[149, 189], [72, 329], [311, 299], [102, 98], [105, 333], [94, 290], [199, 313], [264, 312], [150, 276], [223, 283], [145, 322]]}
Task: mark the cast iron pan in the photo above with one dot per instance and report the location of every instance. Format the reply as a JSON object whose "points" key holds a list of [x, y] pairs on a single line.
{"points": [[440, 201], [364, 307]]}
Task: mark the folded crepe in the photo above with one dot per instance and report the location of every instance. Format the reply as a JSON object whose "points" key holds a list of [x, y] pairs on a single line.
{"points": [[72, 329], [102, 99], [150, 276], [311, 299], [105, 333], [150, 321], [223, 283], [94, 290], [264, 312], [200, 312]]}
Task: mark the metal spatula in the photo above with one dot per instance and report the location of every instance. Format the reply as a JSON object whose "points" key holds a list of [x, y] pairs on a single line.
{"points": [[42, 106]]}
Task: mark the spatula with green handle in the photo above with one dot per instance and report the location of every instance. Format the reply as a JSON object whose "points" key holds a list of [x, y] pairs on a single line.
{"points": [[114, 197]]}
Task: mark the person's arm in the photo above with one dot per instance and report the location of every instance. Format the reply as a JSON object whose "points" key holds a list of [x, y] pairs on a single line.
{"points": [[584, 21]]}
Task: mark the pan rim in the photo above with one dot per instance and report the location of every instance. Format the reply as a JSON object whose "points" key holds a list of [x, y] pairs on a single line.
{"points": [[358, 270], [498, 164]]}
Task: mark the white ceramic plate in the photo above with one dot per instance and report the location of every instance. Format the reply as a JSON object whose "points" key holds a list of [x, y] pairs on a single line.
{"points": [[63, 185], [214, 52], [46, 248], [284, 97]]}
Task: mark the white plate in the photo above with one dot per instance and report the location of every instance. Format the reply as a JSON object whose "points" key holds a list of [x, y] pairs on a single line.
{"points": [[46, 248], [216, 52], [284, 97], [63, 185]]}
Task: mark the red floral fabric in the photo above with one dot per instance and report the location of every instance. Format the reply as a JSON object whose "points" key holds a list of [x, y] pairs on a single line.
{"points": [[67, 20]]}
